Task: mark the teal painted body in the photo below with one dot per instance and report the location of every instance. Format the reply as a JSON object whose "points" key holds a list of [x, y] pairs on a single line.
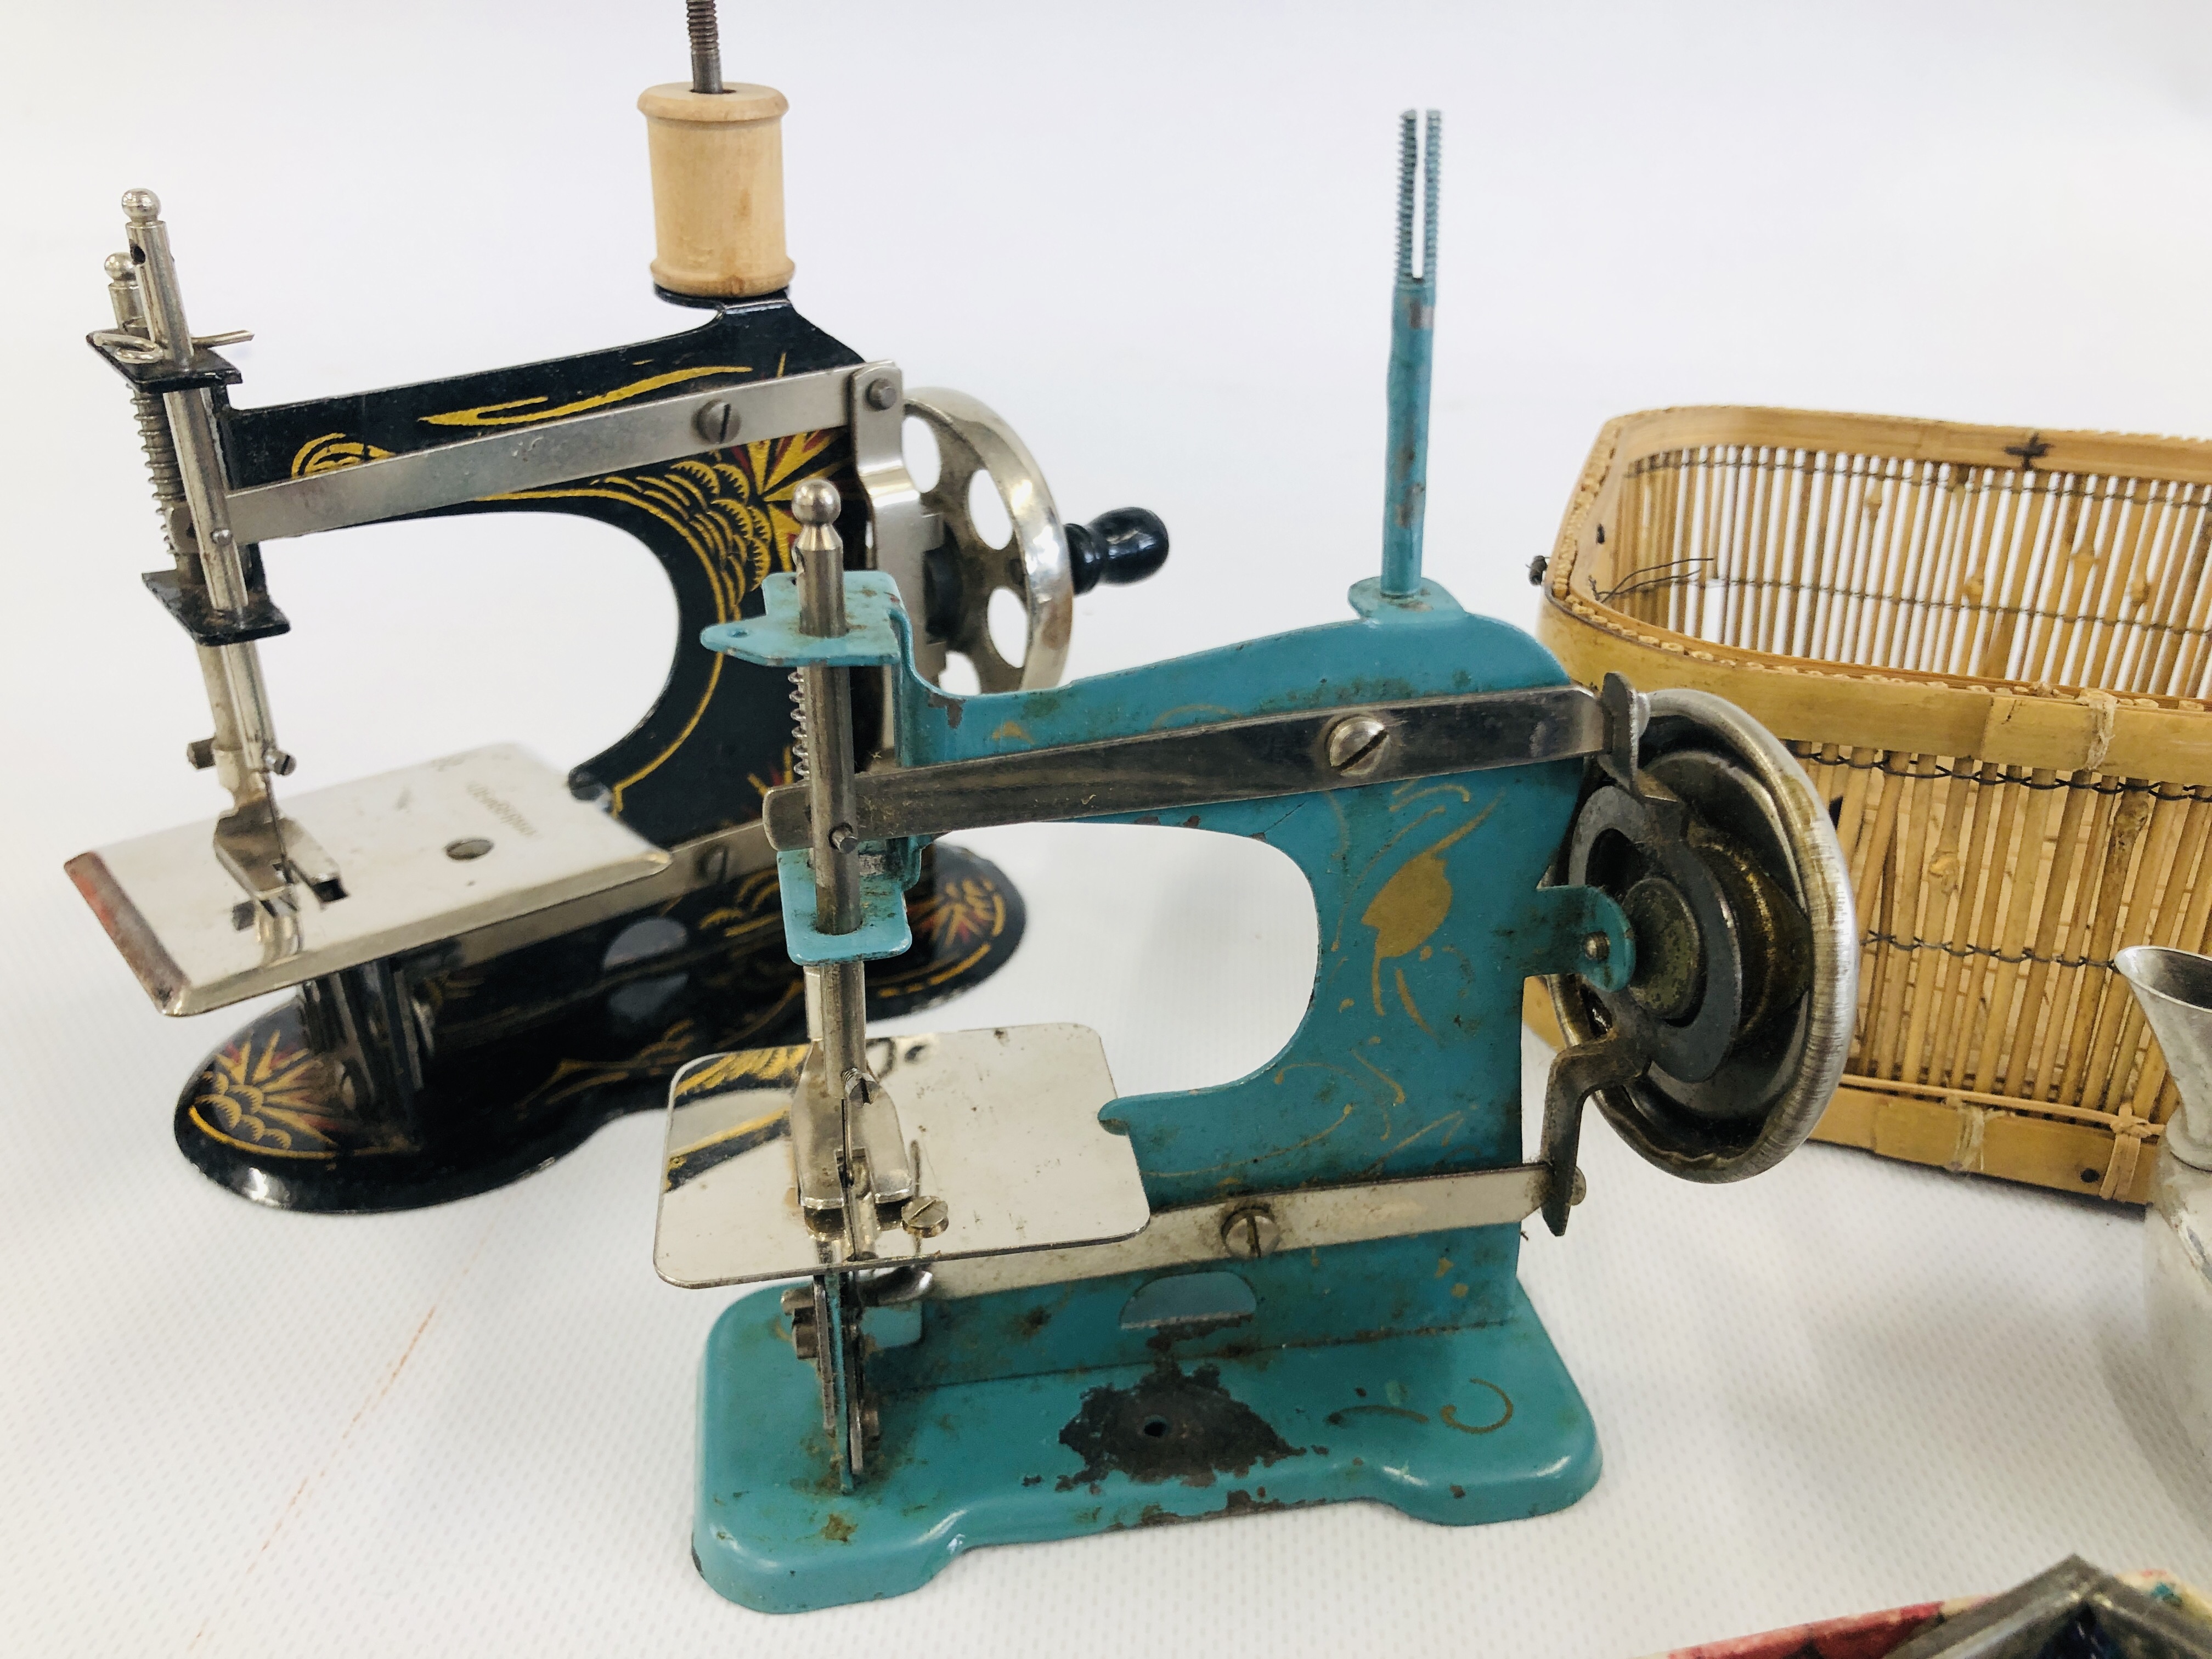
{"points": [[1460, 1426], [1410, 1370]]}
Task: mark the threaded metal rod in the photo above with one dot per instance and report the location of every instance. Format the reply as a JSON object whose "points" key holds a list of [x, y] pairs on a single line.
{"points": [[706, 46], [1412, 323]]}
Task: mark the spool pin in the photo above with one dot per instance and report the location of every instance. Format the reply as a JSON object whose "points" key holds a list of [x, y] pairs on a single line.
{"points": [[717, 190]]}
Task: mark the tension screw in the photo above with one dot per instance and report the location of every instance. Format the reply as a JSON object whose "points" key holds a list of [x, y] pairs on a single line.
{"points": [[1250, 1233], [925, 1217], [1356, 743], [717, 423], [1596, 947], [1539, 568], [882, 394]]}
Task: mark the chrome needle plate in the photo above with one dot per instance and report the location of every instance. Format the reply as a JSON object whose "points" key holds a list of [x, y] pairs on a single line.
{"points": [[424, 853], [1006, 1121]]}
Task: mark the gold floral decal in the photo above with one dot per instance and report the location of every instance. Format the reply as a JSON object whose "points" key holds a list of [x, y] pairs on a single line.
{"points": [[333, 452], [571, 1077], [266, 1097], [501, 414], [733, 509], [760, 1068], [754, 906], [785, 771], [764, 1067], [961, 913], [958, 914]]}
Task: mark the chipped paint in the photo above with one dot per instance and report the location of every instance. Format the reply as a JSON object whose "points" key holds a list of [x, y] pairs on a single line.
{"points": [[1172, 1425]]}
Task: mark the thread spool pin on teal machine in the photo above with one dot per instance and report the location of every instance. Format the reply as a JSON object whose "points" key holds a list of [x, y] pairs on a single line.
{"points": [[1028, 1308]]}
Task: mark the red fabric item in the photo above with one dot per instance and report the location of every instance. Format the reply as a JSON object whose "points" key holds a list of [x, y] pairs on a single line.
{"points": [[1864, 1636]]}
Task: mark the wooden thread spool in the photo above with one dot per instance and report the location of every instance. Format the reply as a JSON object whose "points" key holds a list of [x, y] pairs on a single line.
{"points": [[717, 190]]}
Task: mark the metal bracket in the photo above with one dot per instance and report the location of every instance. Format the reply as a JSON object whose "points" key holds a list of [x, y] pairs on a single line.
{"points": [[1255, 759], [905, 530], [548, 453], [778, 637], [1576, 1074], [1302, 1219], [884, 931]]}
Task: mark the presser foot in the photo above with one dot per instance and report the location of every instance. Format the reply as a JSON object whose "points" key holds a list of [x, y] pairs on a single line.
{"points": [[529, 1063], [1459, 1427]]}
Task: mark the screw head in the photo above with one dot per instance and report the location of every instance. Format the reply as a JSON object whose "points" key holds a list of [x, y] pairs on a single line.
{"points": [[141, 207], [1596, 947], [815, 501], [1250, 1233], [717, 423], [1539, 568], [1356, 745], [881, 392], [925, 1217], [469, 846]]}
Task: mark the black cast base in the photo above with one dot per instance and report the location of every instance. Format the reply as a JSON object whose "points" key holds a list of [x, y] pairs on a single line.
{"points": [[527, 1069]]}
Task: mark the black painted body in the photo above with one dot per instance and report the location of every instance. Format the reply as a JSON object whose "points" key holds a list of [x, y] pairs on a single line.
{"points": [[409, 1081]]}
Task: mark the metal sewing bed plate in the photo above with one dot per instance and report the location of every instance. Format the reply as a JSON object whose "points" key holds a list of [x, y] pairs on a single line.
{"points": [[1006, 1121], [176, 913]]}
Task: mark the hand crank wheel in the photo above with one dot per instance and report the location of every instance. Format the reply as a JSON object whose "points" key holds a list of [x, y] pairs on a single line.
{"points": [[1746, 980], [965, 570]]}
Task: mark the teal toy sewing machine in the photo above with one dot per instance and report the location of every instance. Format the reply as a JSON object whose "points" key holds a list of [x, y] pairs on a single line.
{"points": [[1035, 1309]]}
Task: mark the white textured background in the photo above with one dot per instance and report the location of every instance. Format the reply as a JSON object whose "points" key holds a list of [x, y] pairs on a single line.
{"points": [[1157, 237]]}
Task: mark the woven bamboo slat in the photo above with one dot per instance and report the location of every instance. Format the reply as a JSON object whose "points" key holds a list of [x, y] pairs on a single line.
{"points": [[1992, 650]]}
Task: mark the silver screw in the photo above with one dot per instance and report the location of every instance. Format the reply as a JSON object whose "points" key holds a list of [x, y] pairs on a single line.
{"points": [[1596, 947], [1250, 1233], [717, 423], [1356, 743], [925, 1217], [881, 392]]}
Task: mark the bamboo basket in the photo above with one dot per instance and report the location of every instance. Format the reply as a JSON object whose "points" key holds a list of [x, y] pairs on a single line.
{"points": [[1991, 649]]}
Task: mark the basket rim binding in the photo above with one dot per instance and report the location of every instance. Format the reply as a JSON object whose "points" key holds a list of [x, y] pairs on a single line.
{"points": [[2065, 728]]}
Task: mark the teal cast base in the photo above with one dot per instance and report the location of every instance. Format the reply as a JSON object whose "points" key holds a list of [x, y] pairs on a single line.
{"points": [[1474, 1423]]}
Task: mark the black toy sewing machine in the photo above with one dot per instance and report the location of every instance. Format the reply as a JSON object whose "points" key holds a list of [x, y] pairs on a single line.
{"points": [[493, 958]]}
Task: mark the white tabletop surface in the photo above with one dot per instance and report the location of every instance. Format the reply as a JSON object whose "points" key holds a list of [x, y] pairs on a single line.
{"points": [[1157, 237]]}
